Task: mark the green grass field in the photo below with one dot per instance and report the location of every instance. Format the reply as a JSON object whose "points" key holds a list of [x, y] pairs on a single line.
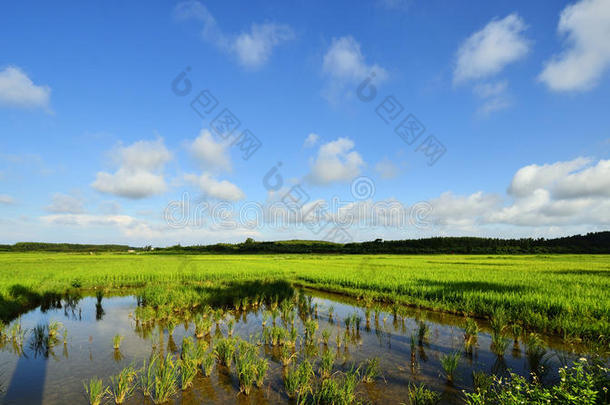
{"points": [[560, 294]]}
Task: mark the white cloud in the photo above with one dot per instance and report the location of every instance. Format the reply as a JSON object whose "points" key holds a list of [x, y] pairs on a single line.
{"points": [[6, 199], [311, 140], [344, 61], [586, 26], [139, 173], [486, 52], [567, 195], [252, 48], [210, 153], [222, 190], [345, 66], [336, 162], [533, 177], [387, 169], [18, 90], [64, 203]]}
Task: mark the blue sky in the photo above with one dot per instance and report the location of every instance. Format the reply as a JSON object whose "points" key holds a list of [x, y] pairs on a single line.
{"points": [[97, 146]]}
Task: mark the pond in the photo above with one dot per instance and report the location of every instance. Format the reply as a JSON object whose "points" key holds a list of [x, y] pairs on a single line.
{"points": [[35, 373]]}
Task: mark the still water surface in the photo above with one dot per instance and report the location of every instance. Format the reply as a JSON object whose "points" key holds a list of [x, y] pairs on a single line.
{"points": [[31, 376]]}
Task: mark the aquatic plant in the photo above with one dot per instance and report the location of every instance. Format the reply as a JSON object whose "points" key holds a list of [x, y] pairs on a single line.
{"points": [[331, 311], [116, 341], [450, 362], [203, 326], [122, 386], [423, 331], [95, 391], [421, 395], [54, 327], [499, 343], [576, 385], [535, 353], [230, 326], [286, 355], [147, 375], [516, 331], [224, 350], [371, 371], [165, 383], [338, 389], [311, 326], [498, 321], [188, 371], [325, 336], [207, 364], [297, 381], [326, 364], [250, 368]]}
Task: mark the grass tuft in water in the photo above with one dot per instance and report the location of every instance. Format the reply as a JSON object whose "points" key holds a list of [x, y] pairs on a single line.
{"points": [[224, 350], [298, 380], [122, 385], [421, 395], [116, 341], [165, 384], [450, 362], [372, 370], [95, 391]]}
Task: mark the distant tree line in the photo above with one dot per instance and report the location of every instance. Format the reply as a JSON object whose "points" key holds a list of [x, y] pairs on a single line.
{"points": [[597, 242], [62, 247]]}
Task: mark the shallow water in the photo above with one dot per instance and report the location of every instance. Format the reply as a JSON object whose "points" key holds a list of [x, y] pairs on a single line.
{"points": [[34, 376]]}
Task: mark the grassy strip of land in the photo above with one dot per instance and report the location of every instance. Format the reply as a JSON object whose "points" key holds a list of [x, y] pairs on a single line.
{"points": [[555, 294]]}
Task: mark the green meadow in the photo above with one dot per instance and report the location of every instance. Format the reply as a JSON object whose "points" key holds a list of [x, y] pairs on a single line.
{"points": [[566, 295]]}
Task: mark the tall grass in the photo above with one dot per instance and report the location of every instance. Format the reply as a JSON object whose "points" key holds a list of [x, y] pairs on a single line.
{"points": [[95, 391], [537, 291]]}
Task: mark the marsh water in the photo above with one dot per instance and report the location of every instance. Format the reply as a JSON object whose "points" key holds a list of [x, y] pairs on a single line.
{"points": [[54, 375]]}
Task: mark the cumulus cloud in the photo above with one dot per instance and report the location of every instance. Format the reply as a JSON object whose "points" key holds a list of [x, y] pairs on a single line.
{"points": [[220, 189], [345, 65], [486, 52], [18, 90], [6, 199], [586, 27], [311, 140], [65, 203], [562, 194], [336, 162], [139, 173], [211, 154], [252, 48]]}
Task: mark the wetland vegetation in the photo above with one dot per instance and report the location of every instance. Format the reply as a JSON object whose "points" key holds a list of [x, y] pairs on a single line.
{"points": [[417, 329]]}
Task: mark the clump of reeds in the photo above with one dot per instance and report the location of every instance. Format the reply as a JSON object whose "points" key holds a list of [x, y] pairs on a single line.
{"points": [[224, 350], [286, 355], [207, 364], [298, 380], [371, 371], [326, 364], [95, 391], [122, 386], [421, 395], [116, 341], [450, 362], [423, 332], [471, 334], [165, 381]]}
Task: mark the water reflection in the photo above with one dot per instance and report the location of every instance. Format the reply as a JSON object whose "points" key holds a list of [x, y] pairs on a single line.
{"points": [[43, 367]]}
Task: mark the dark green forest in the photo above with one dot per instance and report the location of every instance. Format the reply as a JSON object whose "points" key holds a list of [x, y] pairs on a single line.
{"points": [[597, 242]]}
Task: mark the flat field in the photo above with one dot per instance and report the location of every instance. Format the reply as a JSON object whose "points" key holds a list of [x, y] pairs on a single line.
{"points": [[554, 294]]}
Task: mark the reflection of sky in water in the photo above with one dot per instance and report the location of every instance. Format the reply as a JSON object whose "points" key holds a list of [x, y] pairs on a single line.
{"points": [[58, 380]]}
